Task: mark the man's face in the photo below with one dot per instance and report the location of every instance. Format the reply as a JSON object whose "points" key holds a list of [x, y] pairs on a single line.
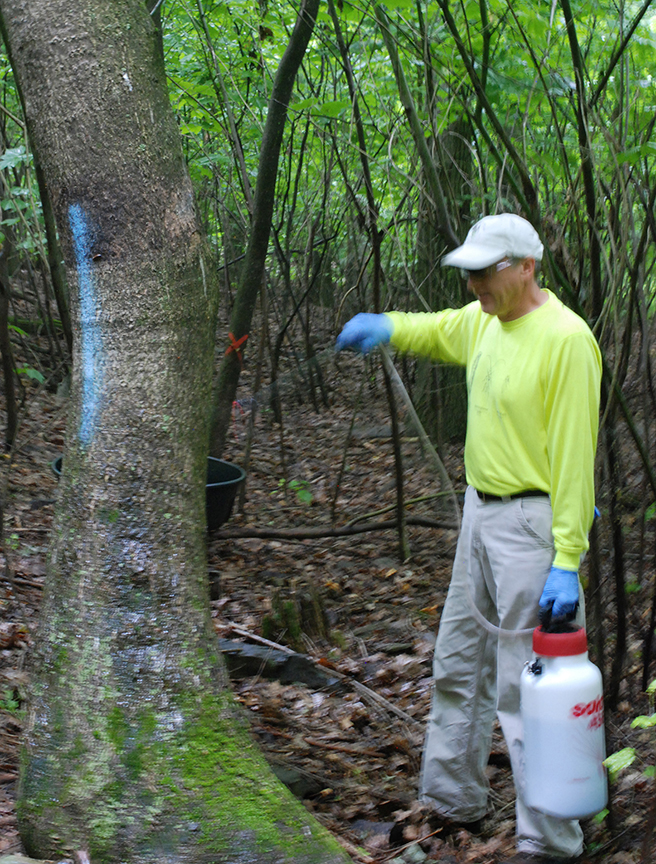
{"points": [[502, 288]]}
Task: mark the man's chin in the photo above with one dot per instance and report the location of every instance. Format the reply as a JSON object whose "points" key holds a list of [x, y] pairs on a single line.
{"points": [[486, 306]]}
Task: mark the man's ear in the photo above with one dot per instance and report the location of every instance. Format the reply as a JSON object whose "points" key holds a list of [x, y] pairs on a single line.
{"points": [[528, 267]]}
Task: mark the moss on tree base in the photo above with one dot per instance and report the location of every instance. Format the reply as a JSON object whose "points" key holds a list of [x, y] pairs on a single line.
{"points": [[201, 791]]}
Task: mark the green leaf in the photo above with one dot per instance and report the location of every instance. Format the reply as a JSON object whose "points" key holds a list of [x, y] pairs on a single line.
{"points": [[644, 722], [536, 26], [29, 245], [652, 688], [190, 128], [635, 154], [17, 329], [34, 374], [332, 109], [617, 762], [8, 702], [650, 771], [350, 12], [600, 817], [560, 85], [200, 171], [303, 104], [12, 157]]}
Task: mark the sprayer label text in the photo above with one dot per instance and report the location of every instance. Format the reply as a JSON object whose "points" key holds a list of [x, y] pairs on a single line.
{"points": [[594, 710]]}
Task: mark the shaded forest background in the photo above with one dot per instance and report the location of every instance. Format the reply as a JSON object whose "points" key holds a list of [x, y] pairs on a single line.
{"points": [[407, 123]]}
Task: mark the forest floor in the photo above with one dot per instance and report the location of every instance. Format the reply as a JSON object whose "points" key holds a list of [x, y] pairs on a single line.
{"points": [[348, 741]]}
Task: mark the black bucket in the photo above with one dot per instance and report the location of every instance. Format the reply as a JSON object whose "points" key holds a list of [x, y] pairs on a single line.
{"points": [[223, 481]]}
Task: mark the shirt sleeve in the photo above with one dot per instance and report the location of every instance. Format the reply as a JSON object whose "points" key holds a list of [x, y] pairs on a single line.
{"points": [[572, 418], [443, 336]]}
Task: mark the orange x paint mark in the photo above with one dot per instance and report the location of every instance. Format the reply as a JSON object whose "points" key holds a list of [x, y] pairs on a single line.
{"points": [[235, 345]]}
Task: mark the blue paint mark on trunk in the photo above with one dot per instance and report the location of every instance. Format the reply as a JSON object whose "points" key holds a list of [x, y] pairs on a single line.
{"points": [[92, 347]]}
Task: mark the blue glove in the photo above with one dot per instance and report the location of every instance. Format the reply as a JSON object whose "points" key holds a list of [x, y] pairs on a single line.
{"points": [[561, 589], [364, 332]]}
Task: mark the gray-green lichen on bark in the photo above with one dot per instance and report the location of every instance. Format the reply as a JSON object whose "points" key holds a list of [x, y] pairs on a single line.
{"points": [[134, 749]]}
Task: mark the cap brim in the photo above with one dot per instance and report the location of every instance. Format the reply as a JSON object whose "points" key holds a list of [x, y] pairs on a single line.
{"points": [[472, 257]]}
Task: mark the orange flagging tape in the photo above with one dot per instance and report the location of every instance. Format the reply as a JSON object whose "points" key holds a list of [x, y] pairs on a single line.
{"points": [[235, 345]]}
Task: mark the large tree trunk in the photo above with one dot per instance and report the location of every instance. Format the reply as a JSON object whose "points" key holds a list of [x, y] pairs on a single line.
{"points": [[134, 748]]}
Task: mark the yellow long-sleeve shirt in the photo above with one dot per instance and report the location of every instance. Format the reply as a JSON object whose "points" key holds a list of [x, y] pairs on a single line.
{"points": [[533, 405]]}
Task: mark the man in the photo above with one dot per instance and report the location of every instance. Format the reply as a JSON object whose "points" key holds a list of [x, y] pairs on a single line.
{"points": [[533, 378]]}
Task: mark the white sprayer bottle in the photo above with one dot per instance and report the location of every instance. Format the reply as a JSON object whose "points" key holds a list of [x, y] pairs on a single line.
{"points": [[563, 715]]}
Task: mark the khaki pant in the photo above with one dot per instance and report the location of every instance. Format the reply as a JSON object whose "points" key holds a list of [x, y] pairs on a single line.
{"points": [[502, 561]]}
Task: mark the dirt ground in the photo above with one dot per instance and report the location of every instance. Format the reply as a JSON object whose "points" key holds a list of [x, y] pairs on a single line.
{"points": [[349, 743]]}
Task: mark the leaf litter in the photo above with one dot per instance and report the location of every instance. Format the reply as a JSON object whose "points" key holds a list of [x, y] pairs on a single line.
{"points": [[351, 746]]}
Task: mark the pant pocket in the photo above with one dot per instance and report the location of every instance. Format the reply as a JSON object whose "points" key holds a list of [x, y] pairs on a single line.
{"points": [[534, 516]]}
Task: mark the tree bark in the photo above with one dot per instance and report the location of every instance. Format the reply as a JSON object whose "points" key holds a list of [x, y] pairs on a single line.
{"points": [[55, 263], [525, 188], [258, 242], [444, 225], [7, 358], [375, 237], [134, 748], [587, 164]]}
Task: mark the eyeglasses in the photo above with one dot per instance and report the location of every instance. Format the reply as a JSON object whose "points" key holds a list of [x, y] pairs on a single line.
{"points": [[486, 271]]}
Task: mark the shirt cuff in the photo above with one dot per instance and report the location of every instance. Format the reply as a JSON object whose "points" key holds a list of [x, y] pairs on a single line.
{"points": [[567, 560]]}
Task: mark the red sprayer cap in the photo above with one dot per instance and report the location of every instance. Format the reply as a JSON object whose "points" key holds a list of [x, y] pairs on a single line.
{"points": [[559, 644]]}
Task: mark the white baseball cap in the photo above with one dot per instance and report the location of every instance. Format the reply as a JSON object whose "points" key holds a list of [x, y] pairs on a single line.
{"points": [[493, 238]]}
